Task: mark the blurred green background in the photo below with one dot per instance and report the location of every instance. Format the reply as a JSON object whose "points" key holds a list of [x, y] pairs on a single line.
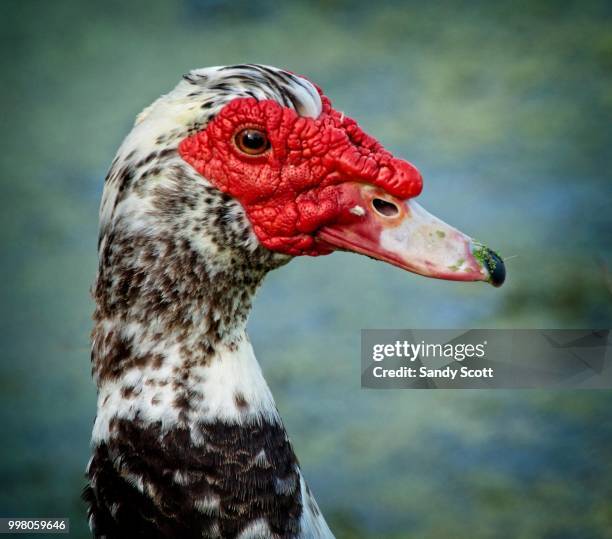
{"points": [[506, 109]]}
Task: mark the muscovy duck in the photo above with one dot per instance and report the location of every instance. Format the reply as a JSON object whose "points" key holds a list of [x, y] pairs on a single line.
{"points": [[230, 175]]}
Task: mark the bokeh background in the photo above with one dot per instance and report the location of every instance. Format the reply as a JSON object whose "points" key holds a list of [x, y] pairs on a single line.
{"points": [[505, 107]]}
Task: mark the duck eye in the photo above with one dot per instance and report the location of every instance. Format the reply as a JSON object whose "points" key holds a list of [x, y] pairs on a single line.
{"points": [[252, 141]]}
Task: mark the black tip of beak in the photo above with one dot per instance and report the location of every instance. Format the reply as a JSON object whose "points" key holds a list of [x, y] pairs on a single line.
{"points": [[496, 267]]}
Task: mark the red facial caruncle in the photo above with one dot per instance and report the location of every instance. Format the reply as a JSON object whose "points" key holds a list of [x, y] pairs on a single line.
{"points": [[292, 189]]}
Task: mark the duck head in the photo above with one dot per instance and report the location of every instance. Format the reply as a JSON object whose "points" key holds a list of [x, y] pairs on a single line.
{"points": [[289, 176]]}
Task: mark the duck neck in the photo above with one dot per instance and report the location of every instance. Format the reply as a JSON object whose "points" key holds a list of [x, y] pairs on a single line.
{"points": [[169, 341]]}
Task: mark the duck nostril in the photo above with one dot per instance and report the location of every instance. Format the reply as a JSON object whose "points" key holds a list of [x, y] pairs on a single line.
{"points": [[385, 208]]}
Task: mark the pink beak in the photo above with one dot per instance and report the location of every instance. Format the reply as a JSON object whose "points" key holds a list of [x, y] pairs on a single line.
{"points": [[404, 234]]}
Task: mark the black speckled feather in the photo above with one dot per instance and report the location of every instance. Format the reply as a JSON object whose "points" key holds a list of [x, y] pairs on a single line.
{"points": [[147, 483]]}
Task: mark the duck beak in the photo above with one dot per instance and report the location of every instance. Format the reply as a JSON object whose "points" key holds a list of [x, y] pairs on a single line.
{"points": [[404, 234]]}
